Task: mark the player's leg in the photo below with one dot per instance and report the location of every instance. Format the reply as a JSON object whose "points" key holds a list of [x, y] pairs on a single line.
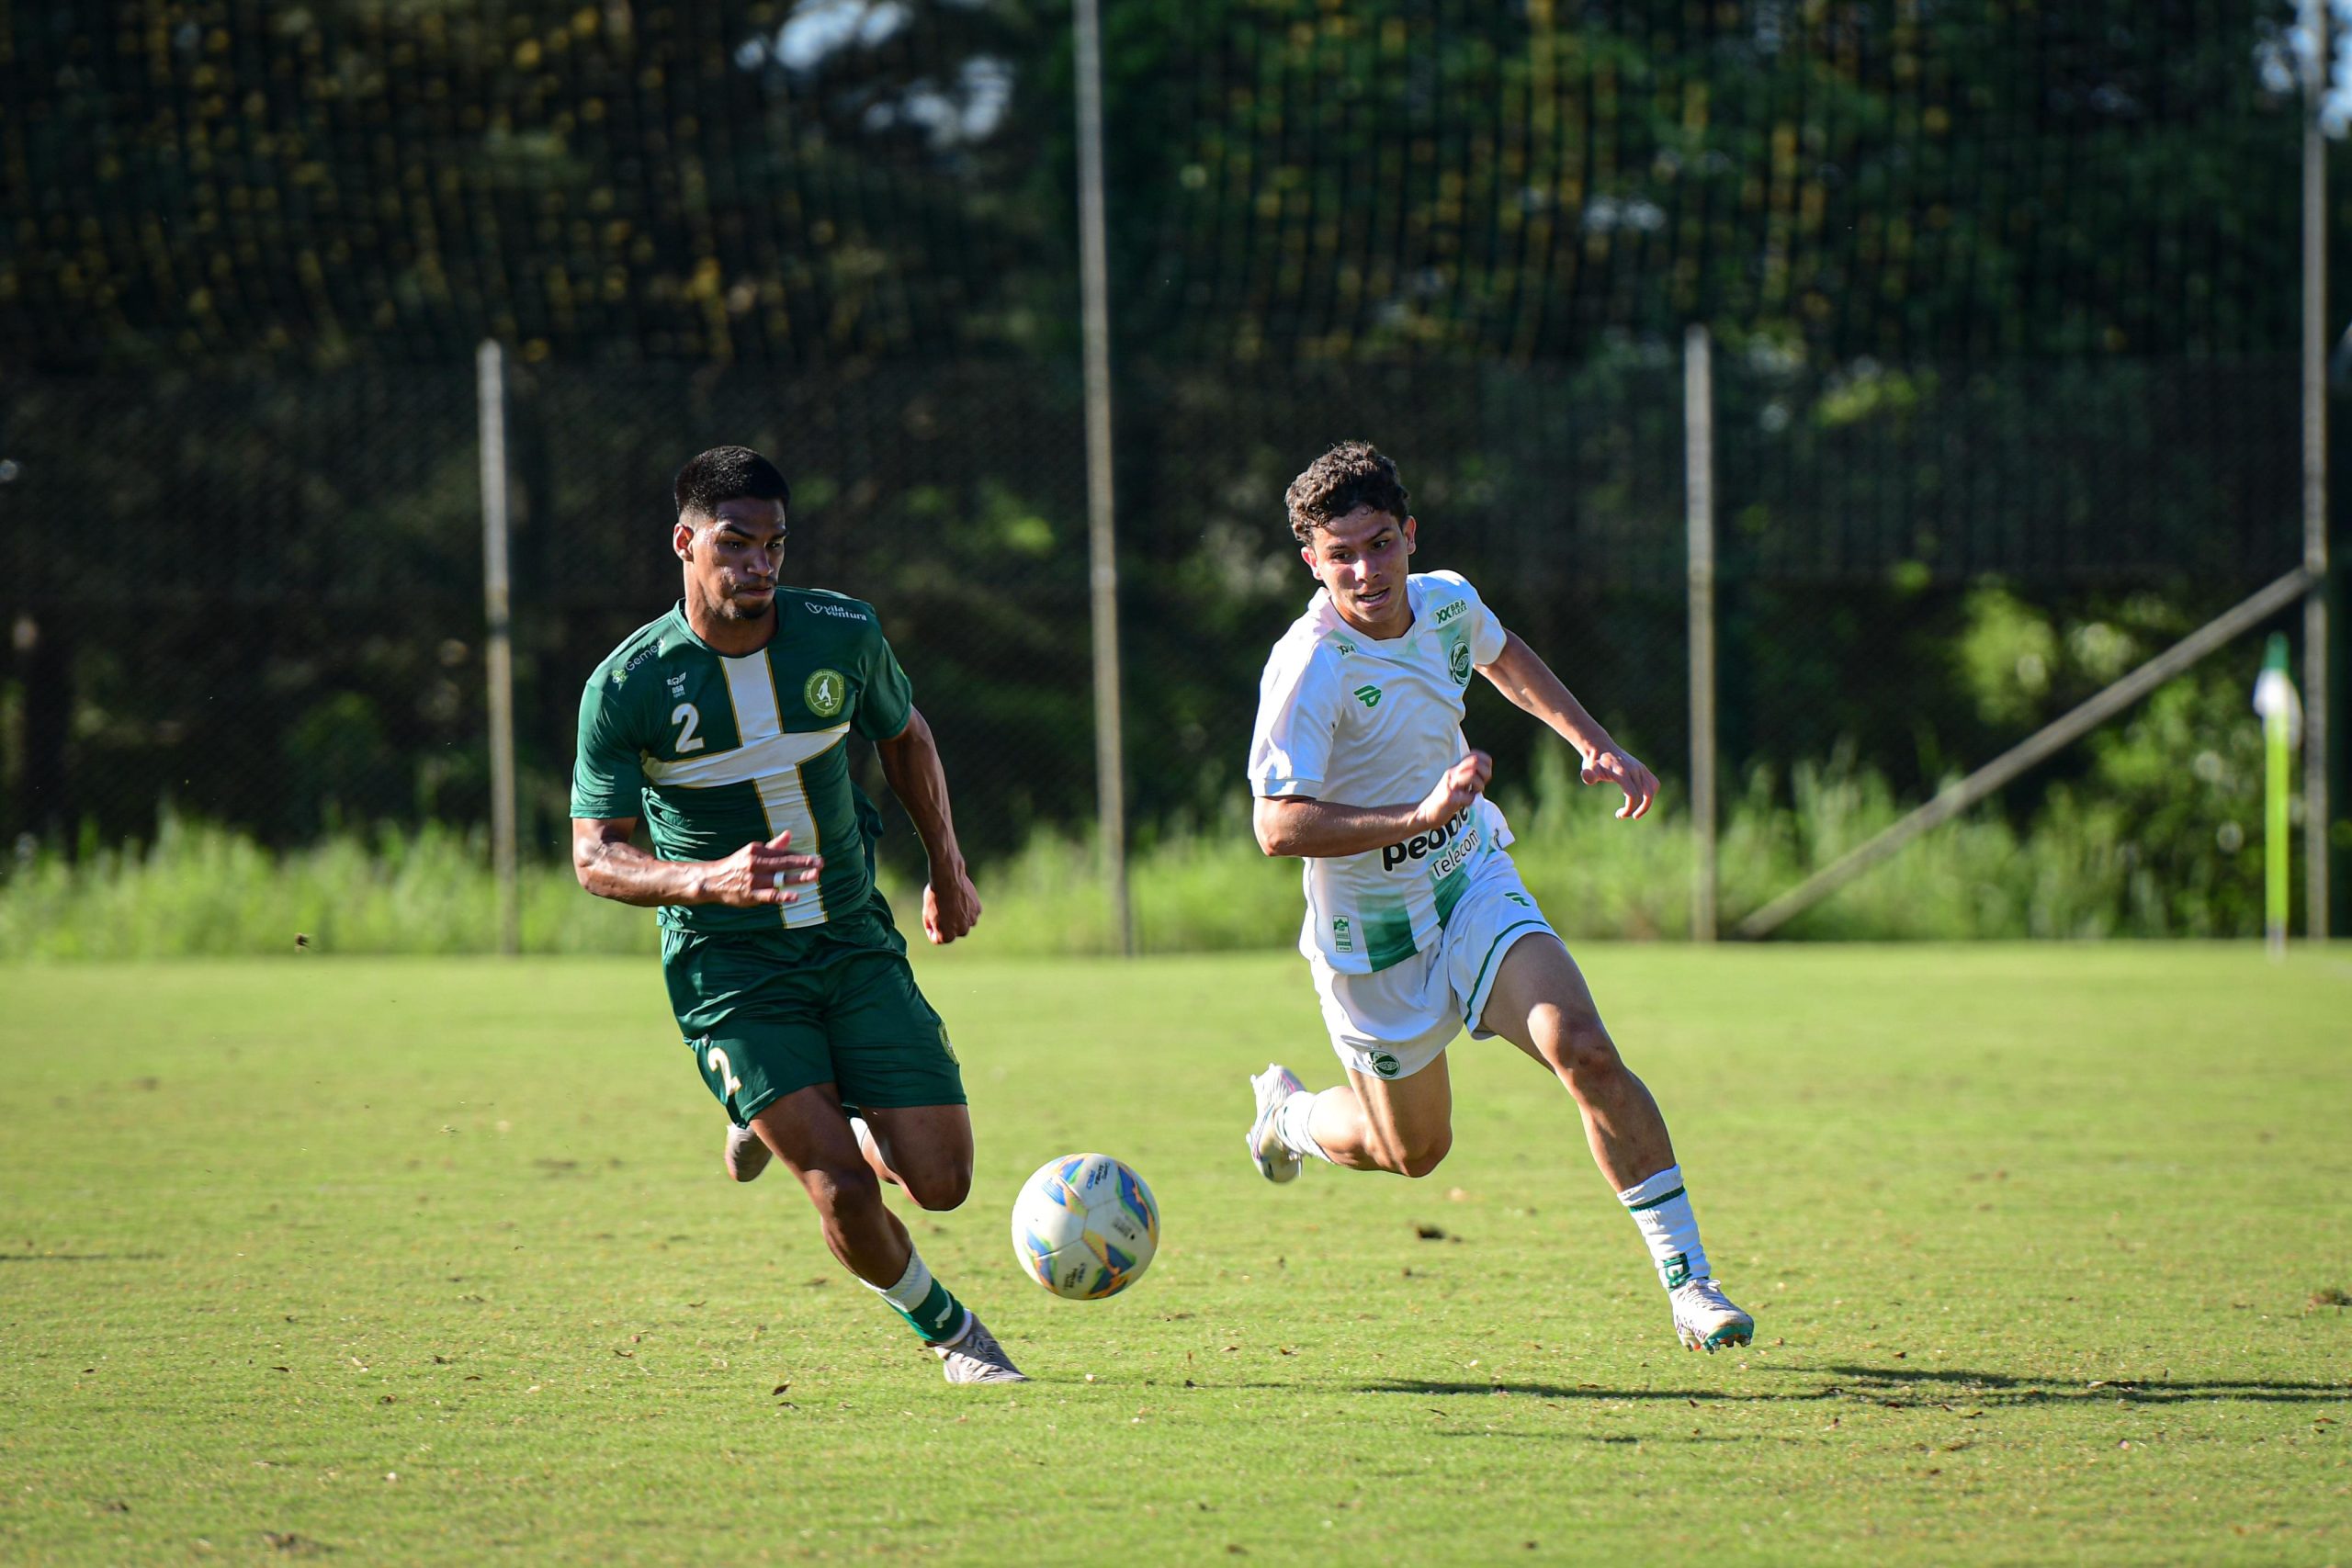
{"points": [[808, 1132], [1404, 1125], [1395, 1112], [925, 1149], [1539, 1001], [892, 1060]]}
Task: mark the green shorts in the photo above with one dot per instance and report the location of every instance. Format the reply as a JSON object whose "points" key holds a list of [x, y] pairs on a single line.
{"points": [[768, 1014]]}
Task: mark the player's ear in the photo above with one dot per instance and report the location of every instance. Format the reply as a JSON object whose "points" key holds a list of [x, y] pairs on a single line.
{"points": [[1411, 544], [682, 540]]}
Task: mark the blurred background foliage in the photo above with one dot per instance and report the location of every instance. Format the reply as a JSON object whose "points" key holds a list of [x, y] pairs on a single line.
{"points": [[2005, 299]]}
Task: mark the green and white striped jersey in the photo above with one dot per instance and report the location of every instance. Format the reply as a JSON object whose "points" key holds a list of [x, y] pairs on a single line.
{"points": [[715, 751], [1345, 717]]}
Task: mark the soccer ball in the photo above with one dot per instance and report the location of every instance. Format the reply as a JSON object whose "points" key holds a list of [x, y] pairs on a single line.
{"points": [[1085, 1226]]}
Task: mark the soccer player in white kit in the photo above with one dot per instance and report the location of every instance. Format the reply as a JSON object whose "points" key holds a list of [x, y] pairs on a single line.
{"points": [[1417, 922]]}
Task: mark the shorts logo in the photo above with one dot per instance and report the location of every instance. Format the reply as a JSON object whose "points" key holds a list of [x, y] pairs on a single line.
{"points": [[1343, 936], [1386, 1064], [1368, 695], [1457, 663], [825, 692]]}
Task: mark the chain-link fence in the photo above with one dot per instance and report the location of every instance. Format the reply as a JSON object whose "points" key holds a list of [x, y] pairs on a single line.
{"points": [[2005, 302], [263, 603]]}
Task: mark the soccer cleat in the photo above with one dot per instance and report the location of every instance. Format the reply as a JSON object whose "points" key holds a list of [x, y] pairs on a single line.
{"points": [[1274, 1086], [974, 1356], [746, 1154], [1705, 1319]]}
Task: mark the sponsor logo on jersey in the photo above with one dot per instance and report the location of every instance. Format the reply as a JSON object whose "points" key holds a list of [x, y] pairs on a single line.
{"points": [[1448, 613], [1368, 695], [825, 692], [620, 676], [840, 611], [1457, 663], [1421, 845], [1343, 935], [1455, 858]]}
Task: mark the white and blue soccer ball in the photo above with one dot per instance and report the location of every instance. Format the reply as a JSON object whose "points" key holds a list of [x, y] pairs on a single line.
{"points": [[1085, 1226]]}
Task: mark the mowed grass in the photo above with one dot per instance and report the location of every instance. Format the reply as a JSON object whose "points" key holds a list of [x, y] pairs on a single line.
{"points": [[421, 1261]]}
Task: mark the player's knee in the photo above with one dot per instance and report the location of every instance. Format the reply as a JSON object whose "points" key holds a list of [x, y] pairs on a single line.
{"points": [[1582, 1048], [941, 1187], [841, 1190], [1419, 1157]]}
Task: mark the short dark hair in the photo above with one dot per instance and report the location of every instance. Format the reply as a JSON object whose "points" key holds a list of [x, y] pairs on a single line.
{"points": [[724, 473], [1351, 475]]}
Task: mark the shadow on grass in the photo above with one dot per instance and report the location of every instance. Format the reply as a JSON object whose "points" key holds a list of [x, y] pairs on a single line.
{"points": [[1941, 1385], [1905, 1388]]}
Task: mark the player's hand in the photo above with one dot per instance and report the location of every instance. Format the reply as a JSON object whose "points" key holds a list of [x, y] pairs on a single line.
{"points": [[760, 873], [1614, 765], [951, 905], [1460, 784]]}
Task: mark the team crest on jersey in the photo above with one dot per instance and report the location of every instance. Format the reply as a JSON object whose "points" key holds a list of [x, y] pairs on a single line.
{"points": [[825, 692], [1457, 663]]}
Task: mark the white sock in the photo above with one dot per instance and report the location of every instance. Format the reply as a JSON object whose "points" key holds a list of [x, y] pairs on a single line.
{"points": [[1662, 1210], [912, 1286], [1291, 1124]]}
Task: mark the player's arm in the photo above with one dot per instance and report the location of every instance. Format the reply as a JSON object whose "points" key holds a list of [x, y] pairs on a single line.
{"points": [[611, 867], [1521, 675], [951, 905], [1302, 825]]}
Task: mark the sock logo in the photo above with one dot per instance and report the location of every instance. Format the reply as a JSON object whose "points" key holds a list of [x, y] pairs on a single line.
{"points": [[1675, 1270]]}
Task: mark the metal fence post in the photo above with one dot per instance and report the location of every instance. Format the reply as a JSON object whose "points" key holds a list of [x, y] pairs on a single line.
{"points": [[1110, 748], [1699, 457], [489, 387], [2316, 738]]}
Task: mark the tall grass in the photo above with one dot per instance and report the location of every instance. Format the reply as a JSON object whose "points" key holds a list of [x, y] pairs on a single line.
{"points": [[201, 890]]}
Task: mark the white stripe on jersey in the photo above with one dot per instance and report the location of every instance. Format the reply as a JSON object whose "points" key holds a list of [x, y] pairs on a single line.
{"points": [[769, 758]]}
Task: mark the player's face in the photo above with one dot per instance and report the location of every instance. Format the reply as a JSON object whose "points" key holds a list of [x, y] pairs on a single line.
{"points": [[732, 559], [1361, 560]]}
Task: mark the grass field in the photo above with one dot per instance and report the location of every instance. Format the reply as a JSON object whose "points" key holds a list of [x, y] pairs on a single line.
{"points": [[419, 1260]]}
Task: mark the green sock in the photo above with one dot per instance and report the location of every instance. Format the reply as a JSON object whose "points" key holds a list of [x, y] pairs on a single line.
{"points": [[930, 1308]]}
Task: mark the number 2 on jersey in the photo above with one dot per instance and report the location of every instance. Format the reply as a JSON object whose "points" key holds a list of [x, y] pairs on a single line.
{"points": [[686, 715], [724, 1071]]}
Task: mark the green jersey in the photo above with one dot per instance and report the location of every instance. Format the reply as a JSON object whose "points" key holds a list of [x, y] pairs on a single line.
{"points": [[714, 752]]}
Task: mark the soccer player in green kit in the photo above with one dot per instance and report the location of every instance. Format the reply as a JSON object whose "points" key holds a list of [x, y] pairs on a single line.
{"points": [[725, 726]]}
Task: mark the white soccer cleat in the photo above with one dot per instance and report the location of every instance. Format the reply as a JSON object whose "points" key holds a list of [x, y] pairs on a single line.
{"points": [[1705, 1319], [746, 1155], [974, 1356], [1274, 1086]]}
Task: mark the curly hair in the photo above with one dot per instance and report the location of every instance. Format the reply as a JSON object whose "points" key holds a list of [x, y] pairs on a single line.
{"points": [[1351, 475]]}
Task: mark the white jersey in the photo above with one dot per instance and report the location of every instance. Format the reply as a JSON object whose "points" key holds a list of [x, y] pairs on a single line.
{"points": [[1348, 718]]}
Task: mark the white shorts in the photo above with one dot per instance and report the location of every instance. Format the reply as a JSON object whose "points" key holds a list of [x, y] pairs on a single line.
{"points": [[1394, 1024]]}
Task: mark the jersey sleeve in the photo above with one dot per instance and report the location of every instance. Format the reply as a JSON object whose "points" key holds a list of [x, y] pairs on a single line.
{"points": [[1487, 634], [1482, 632], [608, 773], [886, 699], [1298, 713]]}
